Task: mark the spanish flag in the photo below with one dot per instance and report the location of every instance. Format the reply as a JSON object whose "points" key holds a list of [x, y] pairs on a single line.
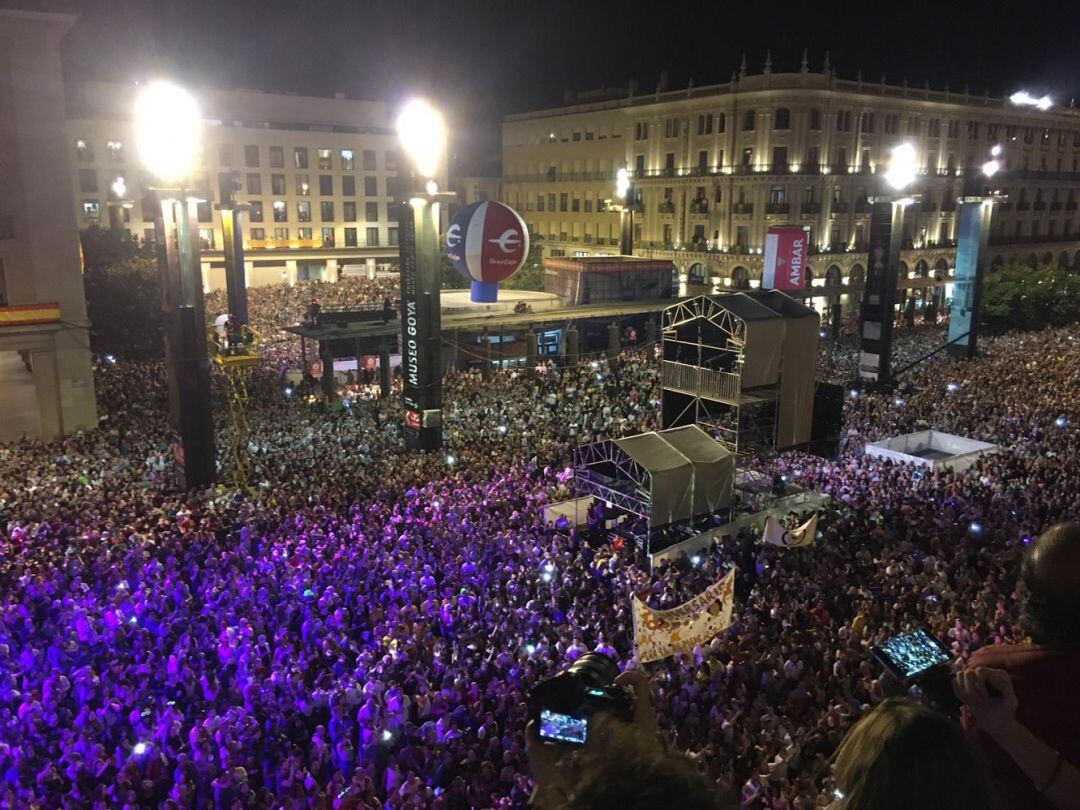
{"points": [[29, 314]]}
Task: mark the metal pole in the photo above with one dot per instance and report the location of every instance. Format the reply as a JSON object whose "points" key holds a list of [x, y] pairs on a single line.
{"points": [[384, 370], [530, 351], [573, 347], [235, 276], [185, 341], [327, 357]]}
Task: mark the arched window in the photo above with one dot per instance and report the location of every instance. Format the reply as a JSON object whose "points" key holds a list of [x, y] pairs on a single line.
{"points": [[857, 277], [833, 277], [740, 278], [783, 118], [749, 120], [922, 269], [697, 274]]}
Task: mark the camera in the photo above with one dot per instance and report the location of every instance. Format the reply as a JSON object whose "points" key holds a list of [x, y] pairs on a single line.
{"points": [[922, 660], [561, 705]]}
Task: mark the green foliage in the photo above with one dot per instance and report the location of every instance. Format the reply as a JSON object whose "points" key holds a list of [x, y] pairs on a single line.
{"points": [[123, 301], [105, 247], [1018, 297], [450, 278], [531, 274]]}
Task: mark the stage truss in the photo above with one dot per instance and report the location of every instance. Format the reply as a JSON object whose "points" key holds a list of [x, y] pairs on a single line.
{"points": [[588, 456], [236, 360]]}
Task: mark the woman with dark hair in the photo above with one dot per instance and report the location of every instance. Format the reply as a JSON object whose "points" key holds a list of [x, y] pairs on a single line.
{"points": [[902, 756]]}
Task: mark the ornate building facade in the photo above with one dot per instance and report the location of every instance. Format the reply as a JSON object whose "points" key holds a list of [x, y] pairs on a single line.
{"points": [[713, 167]]}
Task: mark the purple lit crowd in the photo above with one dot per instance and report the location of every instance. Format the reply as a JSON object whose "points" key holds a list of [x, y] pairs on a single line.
{"points": [[360, 631]]}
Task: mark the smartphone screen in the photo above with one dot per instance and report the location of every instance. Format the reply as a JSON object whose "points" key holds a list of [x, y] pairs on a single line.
{"points": [[564, 728], [913, 653]]}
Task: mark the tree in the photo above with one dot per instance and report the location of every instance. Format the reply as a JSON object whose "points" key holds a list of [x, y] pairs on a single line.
{"points": [[123, 302], [105, 247], [1019, 297], [531, 274]]}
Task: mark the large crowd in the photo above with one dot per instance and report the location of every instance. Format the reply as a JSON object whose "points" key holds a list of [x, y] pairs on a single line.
{"points": [[361, 628]]}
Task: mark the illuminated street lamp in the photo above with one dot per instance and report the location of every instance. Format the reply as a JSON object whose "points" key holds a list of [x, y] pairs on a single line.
{"points": [[626, 211], [422, 133], [168, 140], [117, 201]]}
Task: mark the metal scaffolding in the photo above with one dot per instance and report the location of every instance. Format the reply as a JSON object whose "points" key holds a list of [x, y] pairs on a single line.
{"points": [[236, 356]]}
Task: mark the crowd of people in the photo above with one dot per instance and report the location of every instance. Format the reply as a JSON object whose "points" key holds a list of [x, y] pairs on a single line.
{"points": [[361, 629]]}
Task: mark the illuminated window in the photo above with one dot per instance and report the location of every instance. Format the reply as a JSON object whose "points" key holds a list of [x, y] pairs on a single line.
{"points": [[91, 209], [258, 234], [303, 211], [255, 213], [84, 151], [115, 151], [372, 237], [350, 237], [300, 157], [324, 159], [303, 233], [303, 185], [281, 214], [281, 233], [328, 237], [348, 162]]}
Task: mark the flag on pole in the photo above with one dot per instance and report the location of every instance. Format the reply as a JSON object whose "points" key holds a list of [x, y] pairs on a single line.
{"points": [[776, 535], [660, 633]]}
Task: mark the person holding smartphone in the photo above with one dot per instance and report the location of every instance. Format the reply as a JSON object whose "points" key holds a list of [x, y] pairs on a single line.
{"points": [[614, 765]]}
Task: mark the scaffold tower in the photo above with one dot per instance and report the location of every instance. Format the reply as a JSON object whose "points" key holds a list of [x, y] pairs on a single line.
{"points": [[236, 355]]}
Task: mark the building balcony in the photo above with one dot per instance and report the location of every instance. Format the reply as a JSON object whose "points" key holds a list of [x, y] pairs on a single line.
{"points": [[1023, 205], [742, 208], [1045, 239], [948, 206], [559, 177], [666, 208], [809, 209], [928, 206], [862, 207], [777, 208], [1055, 206], [839, 208], [699, 207], [1039, 205]]}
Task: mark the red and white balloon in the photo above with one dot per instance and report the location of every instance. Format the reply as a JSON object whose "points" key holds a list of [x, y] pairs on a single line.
{"points": [[486, 242]]}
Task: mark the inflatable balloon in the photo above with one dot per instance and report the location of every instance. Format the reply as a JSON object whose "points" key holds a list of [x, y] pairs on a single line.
{"points": [[486, 242]]}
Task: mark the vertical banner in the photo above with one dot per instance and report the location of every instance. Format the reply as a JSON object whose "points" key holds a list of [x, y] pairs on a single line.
{"points": [[785, 258], [876, 312], [972, 235], [420, 357]]}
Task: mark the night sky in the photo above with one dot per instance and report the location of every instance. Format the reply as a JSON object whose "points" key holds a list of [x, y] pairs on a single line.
{"points": [[482, 60]]}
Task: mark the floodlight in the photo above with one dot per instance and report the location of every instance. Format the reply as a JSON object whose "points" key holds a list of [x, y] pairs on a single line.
{"points": [[422, 133], [168, 131], [901, 171]]}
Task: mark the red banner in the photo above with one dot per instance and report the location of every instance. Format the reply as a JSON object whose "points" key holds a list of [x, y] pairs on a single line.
{"points": [[785, 258], [412, 419]]}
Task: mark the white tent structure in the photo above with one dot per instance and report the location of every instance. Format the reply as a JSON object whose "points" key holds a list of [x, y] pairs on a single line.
{"points": [[931, 449]]}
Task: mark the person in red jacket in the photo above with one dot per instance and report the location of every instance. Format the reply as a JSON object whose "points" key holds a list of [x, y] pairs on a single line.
{"points": [[1045, 671]]}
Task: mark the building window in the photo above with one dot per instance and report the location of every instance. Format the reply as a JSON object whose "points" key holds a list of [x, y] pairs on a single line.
{"points": [[669, 163], [815, 119], [88, 181], [254, 183], [303, 233], [348, 186], [671, 127], [303, 211], [540, 202], [749, 120], [280, 214], [551, 201], [350, 237], [564, 199], [721, 122], [641, 131], [204, 212], [303, 185], [324, 159], [391, 185], [813, 159], [933, 128], [892, 124], [328, 237], [277, 157], [372, 238], [576, 136], [639, 165], [782, 119], [369, 160], [703, 159], [277, 184], [326, 185], [326, 210], [206, 238], [391, 160], [91, 209], [225, 154], [371, 186], [348, 212], [371, 211], [251, 156], [843, 121], [115, 151], [777, 195], [973, 130], [747, 157], [348, 162], [779, 159], [704, 124], [84, 151], [392, 237], [281, 233], [300, 157], [258, 234], [255, 212], [575, 204]]}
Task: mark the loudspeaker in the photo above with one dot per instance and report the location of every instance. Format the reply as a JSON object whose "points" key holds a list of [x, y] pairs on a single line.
{"points": [[828, 420]]}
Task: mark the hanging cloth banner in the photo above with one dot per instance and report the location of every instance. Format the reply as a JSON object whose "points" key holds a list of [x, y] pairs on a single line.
{"points": [[660, 633]]}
